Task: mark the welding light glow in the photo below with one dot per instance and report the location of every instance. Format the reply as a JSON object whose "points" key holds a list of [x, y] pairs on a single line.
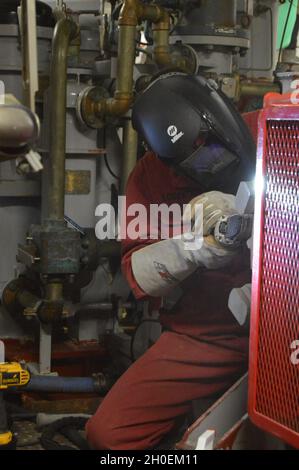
{"points": [[259, 183]]}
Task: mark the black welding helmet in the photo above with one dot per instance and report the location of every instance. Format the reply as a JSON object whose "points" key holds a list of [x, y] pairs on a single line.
{"points": [[191, 125]]}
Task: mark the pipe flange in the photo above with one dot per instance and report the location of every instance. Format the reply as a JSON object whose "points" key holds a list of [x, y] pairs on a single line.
{"points": [[85, 106], [219, 40]]}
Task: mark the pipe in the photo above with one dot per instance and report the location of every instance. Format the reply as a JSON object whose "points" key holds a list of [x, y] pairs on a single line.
{"points": [[130, 144], [132, 12], [17, 297], [258, 88], [97, 307], [162, 53], [65, 31], [123, 96], [161, 32], [39, 383], [54, 291]]}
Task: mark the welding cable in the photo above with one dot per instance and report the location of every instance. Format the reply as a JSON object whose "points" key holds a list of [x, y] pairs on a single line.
{"points": [[106, 158], [69, 428]]}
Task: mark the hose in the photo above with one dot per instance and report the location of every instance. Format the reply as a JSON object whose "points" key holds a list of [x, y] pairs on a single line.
{"points": [[55, 384], [44, 419], [69, 428]]}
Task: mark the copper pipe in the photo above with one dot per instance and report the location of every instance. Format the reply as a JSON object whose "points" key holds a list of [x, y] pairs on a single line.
{"points": [[65, 31], [161, 32], [130, 144], [54, 291], [132, 13], [258, 88], [123, 96]]}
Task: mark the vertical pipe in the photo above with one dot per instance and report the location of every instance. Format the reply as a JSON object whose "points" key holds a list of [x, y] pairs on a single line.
{"points": [[130, 143], [123, 96], [45, 348], [65, 31], [126, 59]]}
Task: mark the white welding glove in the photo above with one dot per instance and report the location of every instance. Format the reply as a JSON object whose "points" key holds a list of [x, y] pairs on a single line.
{"points": [[160, 267], [215, 204]]}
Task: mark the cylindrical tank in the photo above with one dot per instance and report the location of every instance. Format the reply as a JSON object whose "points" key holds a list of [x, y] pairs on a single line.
{"points": [[212, 30], [214, 12]]}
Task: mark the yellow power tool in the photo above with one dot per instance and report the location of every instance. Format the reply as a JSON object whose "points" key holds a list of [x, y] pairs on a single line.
{"points": [[11, 375]]}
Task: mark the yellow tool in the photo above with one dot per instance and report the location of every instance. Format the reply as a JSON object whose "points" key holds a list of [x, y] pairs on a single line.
{"points": [[11, 375]]}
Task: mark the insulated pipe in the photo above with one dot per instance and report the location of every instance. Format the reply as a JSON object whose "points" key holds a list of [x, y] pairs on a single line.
{"points": [[39, 383], [65, 31]]}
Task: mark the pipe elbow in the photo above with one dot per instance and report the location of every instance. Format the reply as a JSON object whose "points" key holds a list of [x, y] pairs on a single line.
{"points": [[129, 13], [118, 106], [65, 30], [162, 56], [163, 21]]}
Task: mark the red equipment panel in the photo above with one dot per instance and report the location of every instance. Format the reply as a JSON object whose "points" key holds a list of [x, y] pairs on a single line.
{"points": [[273, 370]]}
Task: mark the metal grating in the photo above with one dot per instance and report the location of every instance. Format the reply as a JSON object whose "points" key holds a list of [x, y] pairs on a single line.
{"points": [[277, 378]]}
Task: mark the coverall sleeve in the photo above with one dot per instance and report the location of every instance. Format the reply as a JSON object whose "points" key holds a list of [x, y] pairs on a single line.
{"points": [[138, 191]]}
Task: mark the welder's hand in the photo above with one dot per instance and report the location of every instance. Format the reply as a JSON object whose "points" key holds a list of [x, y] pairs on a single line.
{"points": [[160, 267], [213, 255], [214, 205]]}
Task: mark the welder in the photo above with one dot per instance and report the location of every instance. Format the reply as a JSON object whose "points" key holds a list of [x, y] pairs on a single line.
{"points": [[200, 150]]}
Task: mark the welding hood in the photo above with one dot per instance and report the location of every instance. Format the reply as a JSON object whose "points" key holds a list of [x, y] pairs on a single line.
{"points": [[190, 124]]}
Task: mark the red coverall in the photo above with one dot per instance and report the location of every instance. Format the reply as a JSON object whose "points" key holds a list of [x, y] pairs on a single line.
{"points": [[203, 350]]}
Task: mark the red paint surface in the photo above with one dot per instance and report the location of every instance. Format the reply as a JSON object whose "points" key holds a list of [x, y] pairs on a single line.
{"points": [[274, 380]]}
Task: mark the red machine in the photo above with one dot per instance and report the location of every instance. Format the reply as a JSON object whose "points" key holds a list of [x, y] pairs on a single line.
{"points": [[274, 341]]}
